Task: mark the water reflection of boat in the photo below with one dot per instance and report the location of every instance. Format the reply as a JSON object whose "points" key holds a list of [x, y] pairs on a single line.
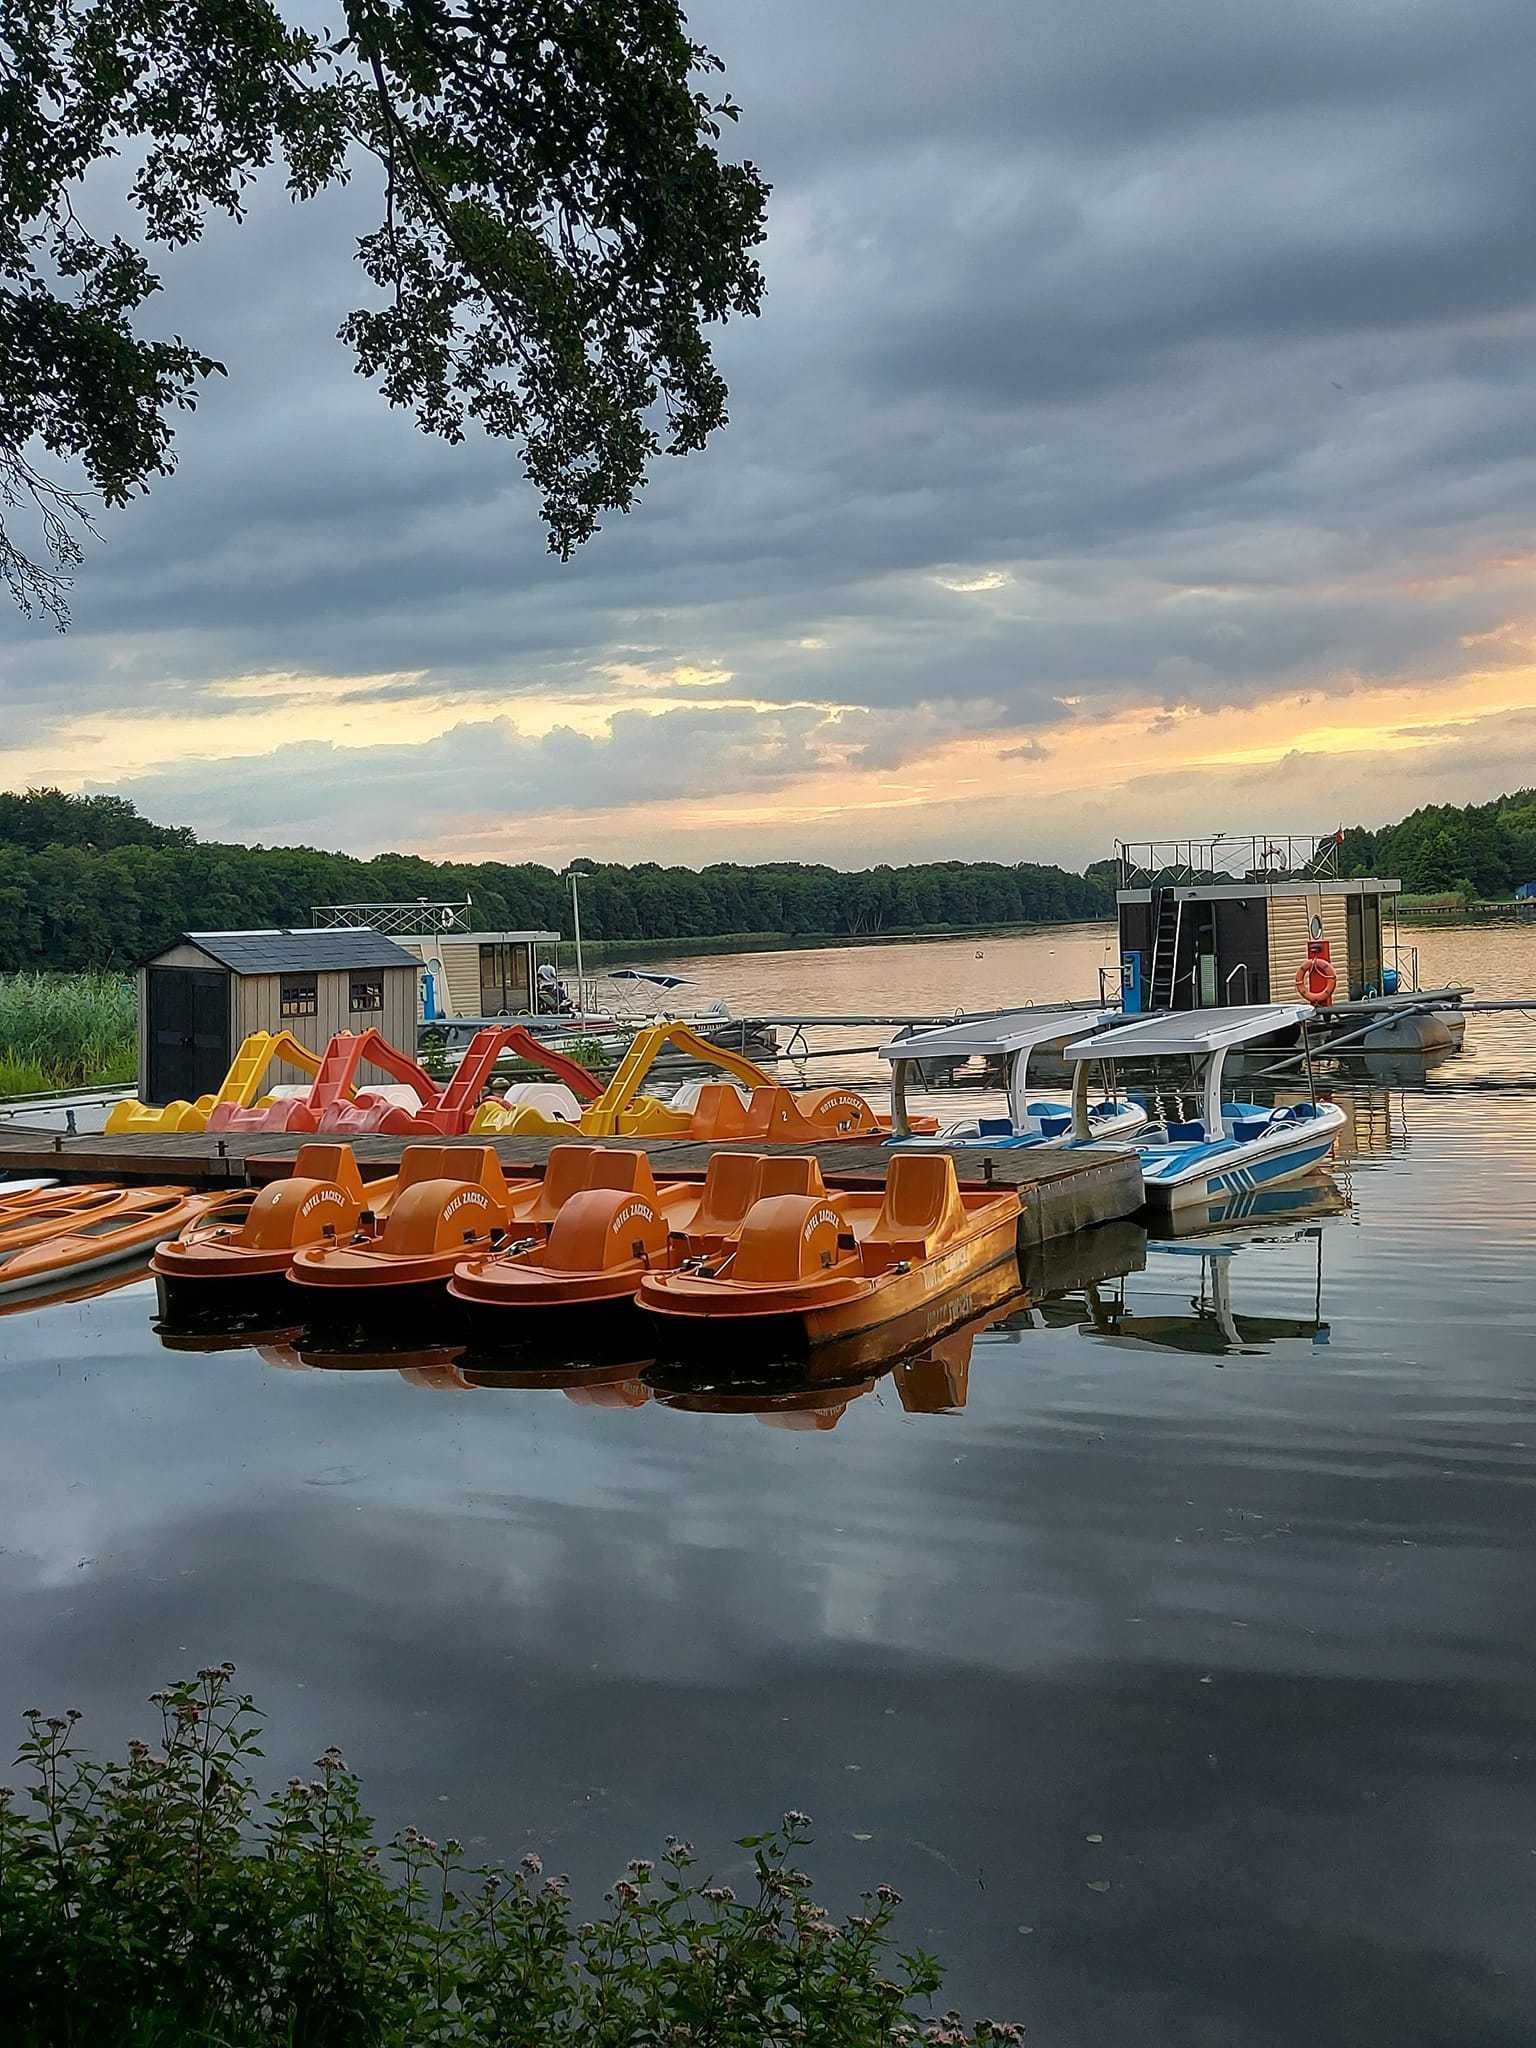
{"points": [[420, 1364], [1255, 1214], [931, 1376], [1210, 1324], [616, 1384], [209, 1334]]}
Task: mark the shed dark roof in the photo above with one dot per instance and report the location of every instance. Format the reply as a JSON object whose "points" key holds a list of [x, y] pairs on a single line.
{"points": [[298, 952]]}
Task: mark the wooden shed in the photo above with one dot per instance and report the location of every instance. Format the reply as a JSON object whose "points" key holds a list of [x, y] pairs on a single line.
{"points": [[204, 994]]}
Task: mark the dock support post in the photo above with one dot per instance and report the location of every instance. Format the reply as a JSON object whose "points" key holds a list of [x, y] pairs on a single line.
{"points": [[900, 1127]]}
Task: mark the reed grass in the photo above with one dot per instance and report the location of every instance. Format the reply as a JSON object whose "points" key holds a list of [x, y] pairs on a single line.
{"points": [[60, 1030]]}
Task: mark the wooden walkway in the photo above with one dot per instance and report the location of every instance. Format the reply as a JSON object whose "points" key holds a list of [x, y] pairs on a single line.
{"points": [[1061, 1192]]}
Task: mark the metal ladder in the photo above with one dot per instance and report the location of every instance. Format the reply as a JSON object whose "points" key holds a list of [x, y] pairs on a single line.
{"points": [[1165, 950]]}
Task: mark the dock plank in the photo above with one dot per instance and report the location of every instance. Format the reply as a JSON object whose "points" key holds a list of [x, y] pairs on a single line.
{"points": [[1060, 1192]]}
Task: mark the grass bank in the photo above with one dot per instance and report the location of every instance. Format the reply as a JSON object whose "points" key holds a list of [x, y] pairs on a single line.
{"points": [[160, 1900], [63, 1030]]}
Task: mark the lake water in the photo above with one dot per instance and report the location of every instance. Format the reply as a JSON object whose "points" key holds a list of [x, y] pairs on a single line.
{"points": [[1186, 1687]]}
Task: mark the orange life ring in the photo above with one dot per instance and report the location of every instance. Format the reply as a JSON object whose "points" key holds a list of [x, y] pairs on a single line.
{"points": [[1316, 980]]}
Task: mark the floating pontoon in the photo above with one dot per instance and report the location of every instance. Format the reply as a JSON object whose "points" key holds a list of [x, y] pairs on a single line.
{"points": [[1010, 1038], [1230, 1148]]}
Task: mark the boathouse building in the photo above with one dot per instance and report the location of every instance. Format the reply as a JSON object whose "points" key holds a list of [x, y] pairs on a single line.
{"points": [[1211, 922], [470, 973]]}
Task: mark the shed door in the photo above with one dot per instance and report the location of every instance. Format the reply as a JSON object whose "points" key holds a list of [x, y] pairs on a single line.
{"points": [[187, 1011]]}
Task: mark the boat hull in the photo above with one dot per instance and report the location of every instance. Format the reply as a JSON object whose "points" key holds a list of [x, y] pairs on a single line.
{"points": [[184, 1296], [97, 1242], [769, 1319], [567, 1331], [1239, 1177]]}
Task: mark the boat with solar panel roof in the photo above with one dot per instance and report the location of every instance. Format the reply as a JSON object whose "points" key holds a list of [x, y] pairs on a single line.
{"points": [[1007, 1041], [1229, 1147]]}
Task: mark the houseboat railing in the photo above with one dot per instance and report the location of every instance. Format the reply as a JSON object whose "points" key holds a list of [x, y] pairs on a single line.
{"points": [[1228, 857], [1240, 969], [1410, 984], [390, 918]]}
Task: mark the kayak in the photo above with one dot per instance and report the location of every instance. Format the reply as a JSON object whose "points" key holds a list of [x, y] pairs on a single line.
{"points": [[43, 1251]]}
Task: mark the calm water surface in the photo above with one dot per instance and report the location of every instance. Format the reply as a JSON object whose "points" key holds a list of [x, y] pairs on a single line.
{"points": [[1174, 1654]]}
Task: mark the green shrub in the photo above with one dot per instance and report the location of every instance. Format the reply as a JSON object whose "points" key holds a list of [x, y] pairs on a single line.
{"points": [[156, 1901], [69, 1028]]}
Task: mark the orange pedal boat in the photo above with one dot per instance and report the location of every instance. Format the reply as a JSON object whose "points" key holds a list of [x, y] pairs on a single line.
{"points": [[787, 1116], [241, 1265], [611, 1225], [806, 1268], [101, 1227], [449, 1200]]}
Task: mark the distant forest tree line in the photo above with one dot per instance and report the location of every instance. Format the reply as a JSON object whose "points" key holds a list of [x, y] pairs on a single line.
{"points": [[1483, 850], [85, 882]]}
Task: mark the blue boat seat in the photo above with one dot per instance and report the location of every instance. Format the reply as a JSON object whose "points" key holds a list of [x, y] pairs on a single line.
{"points": [[1297, 1113], [1245, 1127], [1189, 1133], [1057, 1125]]}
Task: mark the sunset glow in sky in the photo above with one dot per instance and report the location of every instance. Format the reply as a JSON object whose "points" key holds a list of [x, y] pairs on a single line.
{"points": [[1138, 438]]}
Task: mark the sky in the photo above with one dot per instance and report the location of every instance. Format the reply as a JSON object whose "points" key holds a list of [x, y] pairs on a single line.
{"points": [[1139, 437]]}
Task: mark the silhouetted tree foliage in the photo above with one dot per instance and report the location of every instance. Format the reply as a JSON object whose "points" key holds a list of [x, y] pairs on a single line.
{"points": [[86, 882], [557, 231]]}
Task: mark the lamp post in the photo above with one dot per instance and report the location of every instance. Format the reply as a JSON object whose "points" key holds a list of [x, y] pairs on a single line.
{"points": [[581, 982]]}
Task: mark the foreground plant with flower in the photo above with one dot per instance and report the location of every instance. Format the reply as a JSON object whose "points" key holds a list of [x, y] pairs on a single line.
{"points": [[158, 1899]]}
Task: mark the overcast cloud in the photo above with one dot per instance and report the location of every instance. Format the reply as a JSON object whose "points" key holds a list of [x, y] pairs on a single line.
{"points": [[1118, 363]]}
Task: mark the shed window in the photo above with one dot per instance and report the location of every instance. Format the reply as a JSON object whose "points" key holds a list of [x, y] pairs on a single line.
{"points": [[299, 995], [367, 994]]}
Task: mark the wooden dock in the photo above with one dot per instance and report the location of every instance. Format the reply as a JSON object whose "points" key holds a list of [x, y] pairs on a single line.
{"points": [[1061, 1192]]}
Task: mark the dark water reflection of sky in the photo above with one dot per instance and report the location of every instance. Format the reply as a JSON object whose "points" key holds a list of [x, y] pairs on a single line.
{"points": [[1244, 1636]]}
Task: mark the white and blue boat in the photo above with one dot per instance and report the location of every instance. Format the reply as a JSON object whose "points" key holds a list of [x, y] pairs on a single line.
{"points": [[1230, 1148], [1008, 1039]]}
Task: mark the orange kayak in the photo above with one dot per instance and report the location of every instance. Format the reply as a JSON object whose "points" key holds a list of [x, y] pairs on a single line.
{"points": [[806, 1268], [114, 1224], [46, 1211]]}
